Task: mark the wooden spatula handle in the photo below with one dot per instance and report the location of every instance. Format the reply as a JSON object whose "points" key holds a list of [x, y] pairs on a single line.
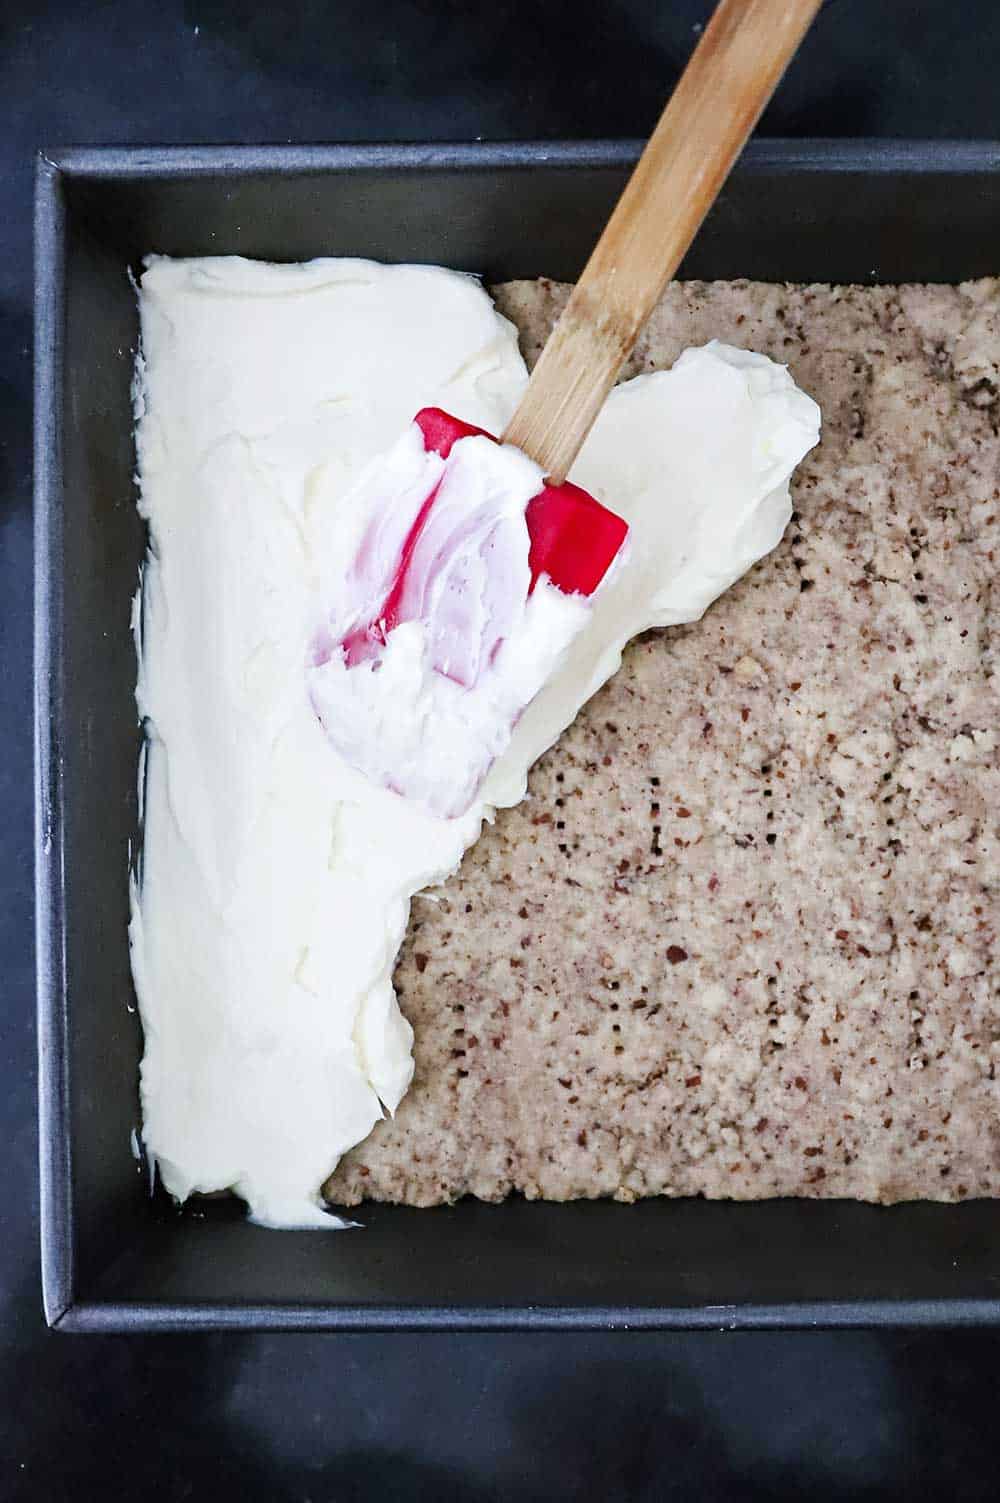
{"points": [[731, 75]]}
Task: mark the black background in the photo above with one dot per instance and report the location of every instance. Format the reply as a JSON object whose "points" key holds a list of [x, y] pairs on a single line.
{"points": [[437, 1417]]}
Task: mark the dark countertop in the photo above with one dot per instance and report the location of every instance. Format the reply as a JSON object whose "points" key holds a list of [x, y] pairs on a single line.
{"points": [[437, 1417]]}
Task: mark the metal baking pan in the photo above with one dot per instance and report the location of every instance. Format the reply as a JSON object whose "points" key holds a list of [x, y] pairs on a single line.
{"points": [[114, 1258]]}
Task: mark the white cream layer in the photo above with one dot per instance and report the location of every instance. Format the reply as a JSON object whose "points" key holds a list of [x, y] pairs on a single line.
{"points": [[276, 880]]}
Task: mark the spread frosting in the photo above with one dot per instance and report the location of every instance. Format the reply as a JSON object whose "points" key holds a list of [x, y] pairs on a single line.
{"points": [[275, 877]]}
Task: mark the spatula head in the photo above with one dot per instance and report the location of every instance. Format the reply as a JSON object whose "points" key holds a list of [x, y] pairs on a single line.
{"points": [[471, 579]]}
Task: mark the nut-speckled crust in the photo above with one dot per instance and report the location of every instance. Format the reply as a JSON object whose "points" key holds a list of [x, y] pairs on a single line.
{"points": [[741, 939]]}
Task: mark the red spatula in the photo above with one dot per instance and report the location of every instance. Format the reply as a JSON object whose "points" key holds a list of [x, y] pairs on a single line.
{"points": [[478, 558]]}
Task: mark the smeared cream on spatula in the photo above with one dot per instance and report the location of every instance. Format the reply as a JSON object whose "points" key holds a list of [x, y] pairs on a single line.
{"points": [[471, 579]]}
